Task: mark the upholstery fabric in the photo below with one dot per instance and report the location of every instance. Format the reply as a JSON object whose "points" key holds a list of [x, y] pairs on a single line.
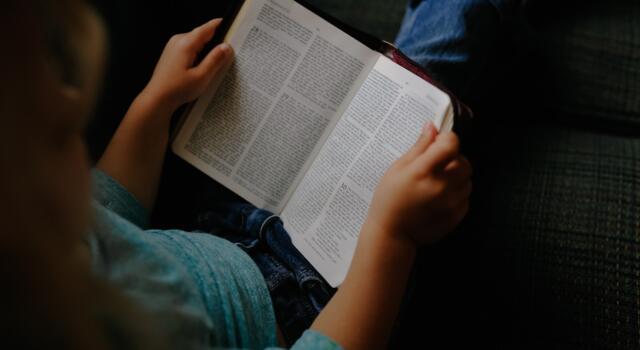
{"points": [[563, 222], [586, 57]]}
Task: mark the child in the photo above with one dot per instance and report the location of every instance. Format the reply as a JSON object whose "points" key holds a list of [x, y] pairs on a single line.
{"points": [[91, 276]]}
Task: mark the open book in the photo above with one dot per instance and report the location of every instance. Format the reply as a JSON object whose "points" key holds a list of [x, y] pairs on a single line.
{"points": [[304, 123]]}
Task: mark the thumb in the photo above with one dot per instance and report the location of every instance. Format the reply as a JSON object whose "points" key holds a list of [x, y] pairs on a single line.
{"points": [[425, 139], [203, 34], [214, 60]]}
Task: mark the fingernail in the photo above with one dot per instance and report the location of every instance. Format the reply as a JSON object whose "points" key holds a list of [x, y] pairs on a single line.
{"points": [[428, 128], [225, 48]]}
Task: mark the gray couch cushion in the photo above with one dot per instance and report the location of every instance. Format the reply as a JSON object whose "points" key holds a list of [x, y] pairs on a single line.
{"points": [[564, 220], [587, 58]]}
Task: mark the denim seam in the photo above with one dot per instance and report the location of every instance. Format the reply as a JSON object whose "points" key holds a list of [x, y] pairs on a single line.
{"points": [[264, 225]]}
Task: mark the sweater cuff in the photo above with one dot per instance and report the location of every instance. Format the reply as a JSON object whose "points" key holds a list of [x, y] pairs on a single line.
{"points": [[115, 197], [312, 339]]}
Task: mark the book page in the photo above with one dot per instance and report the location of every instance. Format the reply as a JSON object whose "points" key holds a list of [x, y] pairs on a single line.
{"points": [[260, 128], [381, 123]]}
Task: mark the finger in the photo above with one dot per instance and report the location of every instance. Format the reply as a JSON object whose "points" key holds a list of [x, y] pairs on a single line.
{"points": [[463, 191], [454, 217], [459, 168], [456, 193], [425, 139], [444, 149], [201, 35], [213, 62], [460, 213]]}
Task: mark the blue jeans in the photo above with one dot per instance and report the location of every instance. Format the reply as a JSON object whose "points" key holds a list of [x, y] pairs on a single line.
{"points": [[448, 38], [297, 290], [453, 39]]}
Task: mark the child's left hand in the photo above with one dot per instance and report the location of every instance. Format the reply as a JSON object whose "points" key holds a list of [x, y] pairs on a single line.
{"points": [[176, 80], [137, 150]]}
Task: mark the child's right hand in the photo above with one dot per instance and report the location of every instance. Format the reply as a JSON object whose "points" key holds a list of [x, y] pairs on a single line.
{"points": [[420, 199], [425, 193]]}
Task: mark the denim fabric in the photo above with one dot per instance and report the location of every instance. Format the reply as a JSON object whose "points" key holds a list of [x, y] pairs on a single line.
{"points": [[297, 290], [452, 39]]}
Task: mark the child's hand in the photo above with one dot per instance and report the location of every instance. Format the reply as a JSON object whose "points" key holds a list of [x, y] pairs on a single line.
{"points": [[136, 153], [176, 80], [425, 194]]}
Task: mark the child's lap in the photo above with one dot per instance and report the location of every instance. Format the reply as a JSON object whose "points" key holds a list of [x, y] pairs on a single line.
{"points": [[297, 290]]}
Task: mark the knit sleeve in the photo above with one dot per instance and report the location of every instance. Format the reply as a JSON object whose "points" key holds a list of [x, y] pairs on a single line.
{"points": [[113, 196]]}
